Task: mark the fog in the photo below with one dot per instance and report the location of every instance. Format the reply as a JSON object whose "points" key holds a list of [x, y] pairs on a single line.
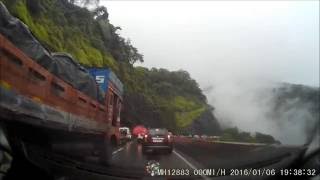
{"points": [[251, 107], [237, 51]]}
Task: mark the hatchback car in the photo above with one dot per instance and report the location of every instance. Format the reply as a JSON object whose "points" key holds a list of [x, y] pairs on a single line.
{"points": [[157, 139]]}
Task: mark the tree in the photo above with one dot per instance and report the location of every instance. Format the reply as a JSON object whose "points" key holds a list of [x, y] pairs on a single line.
{"points": [[101, 13], [264, 138], [34, 6], [132, 53]]}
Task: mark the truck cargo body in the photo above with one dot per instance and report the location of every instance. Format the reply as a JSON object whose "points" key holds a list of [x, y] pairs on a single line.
{"points": [[113, 87], [40, 110]]}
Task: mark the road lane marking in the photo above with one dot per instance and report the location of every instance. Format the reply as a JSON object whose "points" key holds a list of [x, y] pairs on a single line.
{"points": [[189, 164], [116, 151], [186, 161], [120, 149]]}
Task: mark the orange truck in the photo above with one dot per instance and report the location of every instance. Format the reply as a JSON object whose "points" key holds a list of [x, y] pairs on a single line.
{"points": [[42, 112]]}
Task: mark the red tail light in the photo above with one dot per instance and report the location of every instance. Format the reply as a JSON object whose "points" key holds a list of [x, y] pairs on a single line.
{"points": [[146, 137], [168, 138]]}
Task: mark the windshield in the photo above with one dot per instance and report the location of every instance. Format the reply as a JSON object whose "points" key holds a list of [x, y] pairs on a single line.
{"points": [[157, 132], [97, 89]]}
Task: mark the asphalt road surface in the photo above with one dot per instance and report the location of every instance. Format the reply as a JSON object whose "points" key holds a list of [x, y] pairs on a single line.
{"points": [[193, 155], [189, 157]]}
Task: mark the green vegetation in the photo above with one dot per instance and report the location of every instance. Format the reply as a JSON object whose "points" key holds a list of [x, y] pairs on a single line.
{"points": [[62, 26], [153, 97], [171, 99], [233, 134]]}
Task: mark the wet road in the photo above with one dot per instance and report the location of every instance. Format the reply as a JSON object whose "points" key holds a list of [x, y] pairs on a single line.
{"points": [[131, 157], [191, 155]]}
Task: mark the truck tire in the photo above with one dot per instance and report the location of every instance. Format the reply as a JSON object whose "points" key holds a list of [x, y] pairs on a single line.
{"points": [[106, 153], [114, 142]]}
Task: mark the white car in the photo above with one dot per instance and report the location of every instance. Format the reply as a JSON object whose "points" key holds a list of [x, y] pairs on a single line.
{"points": [[125, 134], [204, 136]]}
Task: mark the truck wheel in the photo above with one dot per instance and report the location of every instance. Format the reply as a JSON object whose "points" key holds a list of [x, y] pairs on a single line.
{"points": [[106, 152], [114, 142]]}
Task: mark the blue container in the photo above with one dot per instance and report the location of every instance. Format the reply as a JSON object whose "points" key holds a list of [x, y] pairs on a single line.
{"points": [[104, 76]]}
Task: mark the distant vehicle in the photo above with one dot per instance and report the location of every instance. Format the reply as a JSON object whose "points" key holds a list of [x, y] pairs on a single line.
{"points": [[125, 134], [157, 139], [139, 131], [214, 138], [204, 136], [196, 136], [140, 138]]}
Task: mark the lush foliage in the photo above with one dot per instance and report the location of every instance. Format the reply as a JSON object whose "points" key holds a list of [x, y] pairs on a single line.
{"points": [[171, 99], [155, 97], [87, 35]]}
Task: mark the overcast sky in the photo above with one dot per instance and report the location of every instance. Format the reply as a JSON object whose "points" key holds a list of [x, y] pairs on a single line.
{"points": [[213, 39], [234, 47]]}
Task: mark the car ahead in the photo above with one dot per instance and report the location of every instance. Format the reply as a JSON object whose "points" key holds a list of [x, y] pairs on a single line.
{"points": [[157, 139]]}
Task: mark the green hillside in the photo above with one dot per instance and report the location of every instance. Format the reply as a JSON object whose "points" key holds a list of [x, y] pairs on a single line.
{"points": [[153, 97]]}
